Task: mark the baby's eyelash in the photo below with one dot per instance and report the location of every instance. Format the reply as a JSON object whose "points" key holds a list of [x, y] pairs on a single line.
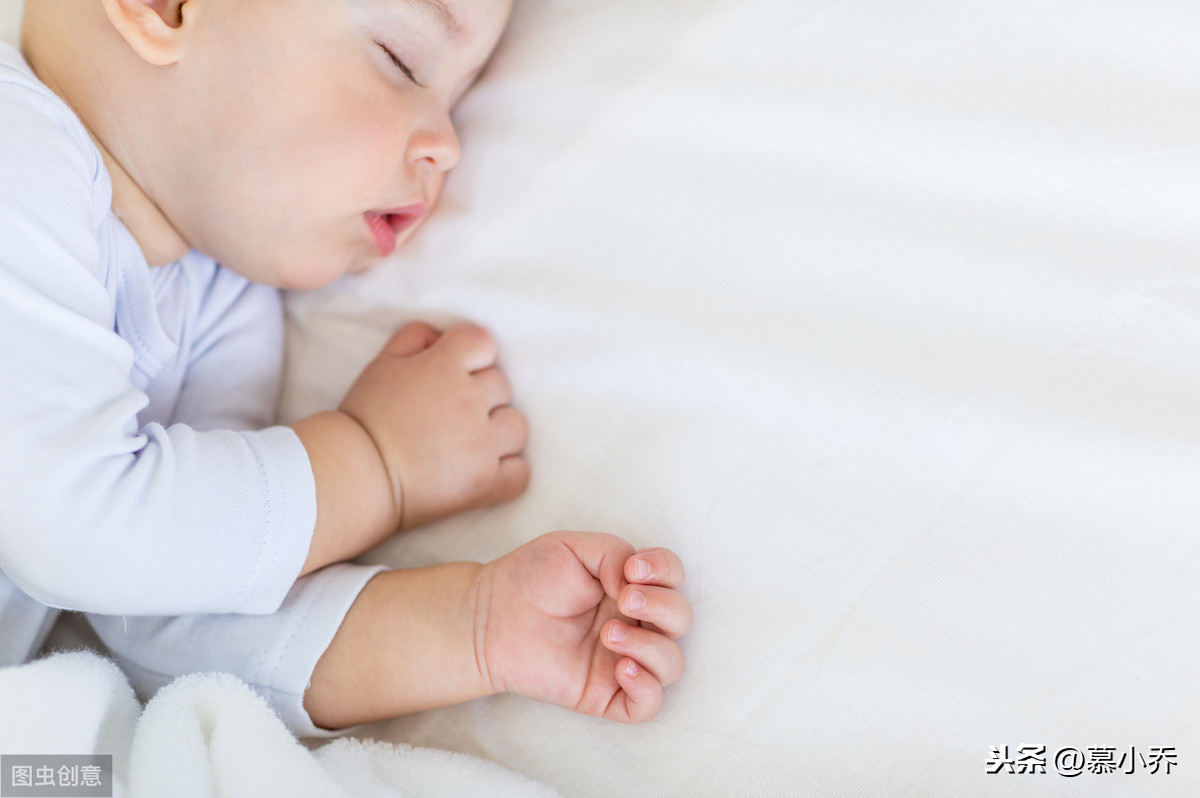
{"points": [[403, 67]]}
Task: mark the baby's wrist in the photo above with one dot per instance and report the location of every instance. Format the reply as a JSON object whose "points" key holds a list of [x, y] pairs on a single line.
{"points": [[460, 670], [369, 450], [410, 636], [479, 599], [355, 505]]}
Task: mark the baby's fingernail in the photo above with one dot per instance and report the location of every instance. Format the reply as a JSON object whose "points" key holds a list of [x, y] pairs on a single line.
{"points": [[632, 669], [635, 600], [618, 632], [641, 570]]}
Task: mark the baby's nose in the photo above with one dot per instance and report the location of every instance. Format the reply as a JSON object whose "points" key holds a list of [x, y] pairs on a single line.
{"points": [[437, 145]]}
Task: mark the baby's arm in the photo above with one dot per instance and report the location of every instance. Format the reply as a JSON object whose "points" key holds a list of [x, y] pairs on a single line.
{"points": [[557, 620], [426, 431]]}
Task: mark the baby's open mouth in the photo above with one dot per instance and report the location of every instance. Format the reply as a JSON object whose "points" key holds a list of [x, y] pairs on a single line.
{"points": [[386, 226]]}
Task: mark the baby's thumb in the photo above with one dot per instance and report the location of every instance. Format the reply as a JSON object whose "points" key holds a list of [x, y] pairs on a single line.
{"points": [[411, 339]]}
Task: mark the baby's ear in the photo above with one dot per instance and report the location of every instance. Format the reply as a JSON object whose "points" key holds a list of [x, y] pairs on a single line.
{"points": [[153, 28]]}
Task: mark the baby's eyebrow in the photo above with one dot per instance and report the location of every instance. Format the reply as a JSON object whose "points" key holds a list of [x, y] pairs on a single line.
{"points": [[441, 12]]}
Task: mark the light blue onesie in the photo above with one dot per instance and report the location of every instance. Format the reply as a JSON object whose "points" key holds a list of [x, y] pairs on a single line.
{"points": [[140, 479]]}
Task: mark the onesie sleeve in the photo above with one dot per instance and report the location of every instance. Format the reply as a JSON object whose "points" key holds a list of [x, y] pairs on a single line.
{"points": [[97, 513]]}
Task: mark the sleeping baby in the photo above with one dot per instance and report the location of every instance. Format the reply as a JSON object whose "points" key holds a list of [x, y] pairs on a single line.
{"points": [[165, 167]]}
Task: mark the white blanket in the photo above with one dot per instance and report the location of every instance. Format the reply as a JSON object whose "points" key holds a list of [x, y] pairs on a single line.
{"points": [[208, 735], [886, 317]]}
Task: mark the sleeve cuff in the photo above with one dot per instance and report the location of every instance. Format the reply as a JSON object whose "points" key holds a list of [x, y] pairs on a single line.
{"points": [[315, 610], [292, 498]]}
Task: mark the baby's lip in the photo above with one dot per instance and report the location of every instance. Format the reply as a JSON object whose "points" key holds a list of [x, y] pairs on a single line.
{"points": [[400, 219], [387, 225]]}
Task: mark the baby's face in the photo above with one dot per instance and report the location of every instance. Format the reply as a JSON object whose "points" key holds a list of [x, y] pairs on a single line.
{"points": [[319, 133]]}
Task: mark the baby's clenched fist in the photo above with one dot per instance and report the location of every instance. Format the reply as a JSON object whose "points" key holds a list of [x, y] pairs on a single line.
{"points": [[438, 410]]}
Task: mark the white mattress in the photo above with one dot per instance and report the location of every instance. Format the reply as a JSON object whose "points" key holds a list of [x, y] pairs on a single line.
{"points": [[886, 317]]}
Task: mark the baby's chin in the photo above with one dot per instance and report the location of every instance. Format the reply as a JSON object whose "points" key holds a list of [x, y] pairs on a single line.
{"points": [[300, 272]]}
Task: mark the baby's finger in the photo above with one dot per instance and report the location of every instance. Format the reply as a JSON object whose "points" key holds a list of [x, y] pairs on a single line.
{"points": [[474, 346], [510, 429], [655, 567], [642, 694], [494, 386], [655, 653], [410, 339], [512, 479], [665, 608]]}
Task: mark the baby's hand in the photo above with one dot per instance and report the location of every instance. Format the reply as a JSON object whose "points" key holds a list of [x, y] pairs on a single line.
{"points": [[437, 409], [582, 621]]}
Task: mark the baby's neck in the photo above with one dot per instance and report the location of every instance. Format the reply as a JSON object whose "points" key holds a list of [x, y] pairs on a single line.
{"points": [[159, 241]]}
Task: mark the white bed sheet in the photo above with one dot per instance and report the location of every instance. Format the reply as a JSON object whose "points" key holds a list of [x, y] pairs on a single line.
{"points": [[886, 317]]}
